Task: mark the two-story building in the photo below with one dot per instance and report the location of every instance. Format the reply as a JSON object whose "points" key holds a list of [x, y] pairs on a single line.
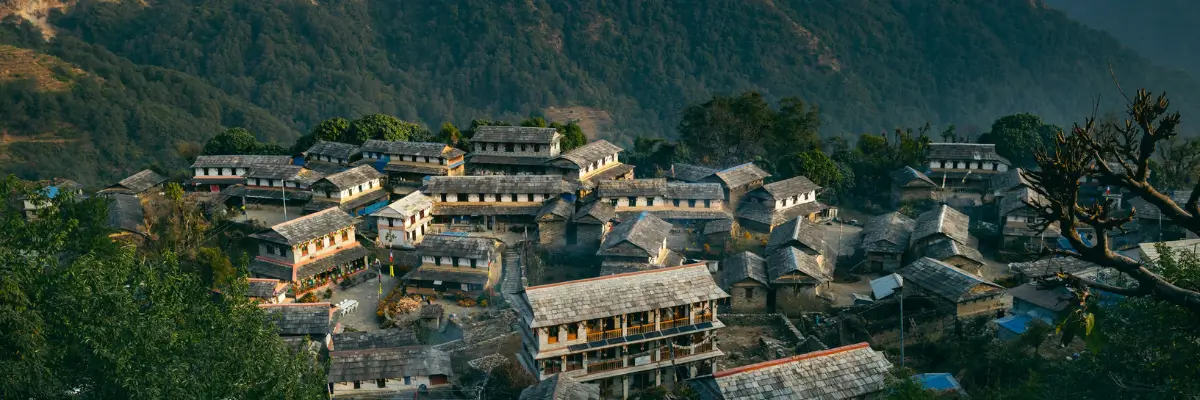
{"points": [[800, 279], [682, 204], [358, 191], [592, 222], [213, 173], [50, 190], [303, 320], [964, 294], [492, 202], [775, 203], [272, 183], [591, 163], [553, 222], [329, 157], [848, 372], [405, 222], [964, 166], [625, 332], [137, 184], [635, 244], [744, 277], [310, 252], [885, 239], [514, 150], [408, 163], [908, 184], [387, 371], [738, 181], [681, 172], [1019, 223], [453, 263], [558, 387], [942, 222]]}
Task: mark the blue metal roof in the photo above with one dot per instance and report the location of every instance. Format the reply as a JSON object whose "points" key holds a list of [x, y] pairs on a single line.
{"points": [[939, 381], [51, 192], [1015, 323]]}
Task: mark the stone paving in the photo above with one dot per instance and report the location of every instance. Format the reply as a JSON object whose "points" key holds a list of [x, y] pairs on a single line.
{"points": [[368, 297]]}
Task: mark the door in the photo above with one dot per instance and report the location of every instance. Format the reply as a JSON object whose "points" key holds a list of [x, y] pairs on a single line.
{"points": [[214, 188]]}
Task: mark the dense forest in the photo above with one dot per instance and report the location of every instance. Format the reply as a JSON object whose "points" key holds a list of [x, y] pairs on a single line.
{"points": [[144, 80], [1162, 30]]}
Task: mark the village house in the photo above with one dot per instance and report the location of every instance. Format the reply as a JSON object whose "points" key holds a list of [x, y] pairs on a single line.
{"points": [[377, 339], [942, 222], [1153, 224], [405, 222], [799, 280], [955, 253], [279, 183], [126, 215], [310, 252], [50, 190], [514, 150], [492, 202], [552, 222], [387, 370], [1044, 303], [299, 320], [1148, 252], [1008, 181], [909, 184], [358, 191], [592, 221], [431, 316], [558, 387], [967, 166], [737, 182], [797, 232], [719, 235], [1018, 223], [624, 332], [452, 263], [266, 290], [775, 203], [137, 184], [849, 372], [744, 277], [964, 293], [885, 240], [408, 163], [591, 163], [636, 244], [688, 173], [686, 205], [329, 157], [213, 173]]}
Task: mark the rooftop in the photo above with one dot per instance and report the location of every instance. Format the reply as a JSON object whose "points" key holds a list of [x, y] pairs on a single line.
{"points": [[797, 231], [383, 338], [906, 175], [740, 267], [308, 227], [1149, 251], [788, 260], [1054, 299], [353, 177], [945, 220], [964, 151], [332, 149], [558, 387], [419, 149], [846, 372], [125, 212], [587, 154], [557, 208], [947, 281], [1145, 210], [793, 186], [596, 212], [689, 172], [1050, 266], [263, 288], [456, 246], [1009, 180], [407, 206], [887, 233], [645, 231], [741, 175], [137, 183], [502, 184], [387, 363], [301, 319], [230, 161], [515, 134], [610, 295], [944, 249]]}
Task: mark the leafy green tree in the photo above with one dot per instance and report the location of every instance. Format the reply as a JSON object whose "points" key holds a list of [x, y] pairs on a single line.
{"points": [[450, 135], [535, 122], [573, 136], [1018, 136], [215, 268], [331, 130], [232, 141], [818, 167], [380, 127]]}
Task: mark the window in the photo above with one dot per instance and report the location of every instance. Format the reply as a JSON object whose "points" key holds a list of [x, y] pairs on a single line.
{"points": [[749, 293], [512, 197], [443, 197], [552, 337], [707, 203], [522, 146], [614, 202], [650, 201], [437, 261], [632, 201], [1030, 220], [692, 203], [473, 261], [454, 260], [408, 380], [572, 333], [346, 235], [320, 244], [382, 383], [537, 148], [481, 197], [508, 147], [304, 250], [357, 385]]}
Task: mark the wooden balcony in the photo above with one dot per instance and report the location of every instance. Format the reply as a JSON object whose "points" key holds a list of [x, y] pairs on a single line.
{"points": [[605, 366], [668, 324], [702, 318], [640, 329], [609, 334], [572, 366]]}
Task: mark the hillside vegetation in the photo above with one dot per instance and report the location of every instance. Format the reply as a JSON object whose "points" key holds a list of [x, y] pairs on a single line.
{"points": [[1162, 30], [184, 70]]}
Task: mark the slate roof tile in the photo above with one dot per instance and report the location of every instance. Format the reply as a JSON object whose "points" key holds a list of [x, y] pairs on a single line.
{"points": [[645, 231], [387, 363], [515, 134], [947, 281], [740, 267], [457, 246], [888, 233], [501, 184], [308, 227], [303, 319], [332, 149], [846, 372]]}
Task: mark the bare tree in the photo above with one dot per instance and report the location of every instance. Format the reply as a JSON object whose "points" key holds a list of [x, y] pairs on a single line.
{"points": [[1118, 155]]}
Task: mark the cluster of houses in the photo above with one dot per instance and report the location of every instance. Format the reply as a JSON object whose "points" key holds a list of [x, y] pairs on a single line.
{"points": [[650, 317]]}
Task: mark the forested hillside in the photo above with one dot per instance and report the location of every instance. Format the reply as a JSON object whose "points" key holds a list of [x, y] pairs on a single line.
{"points": [[1165, 31], [153, 76]]}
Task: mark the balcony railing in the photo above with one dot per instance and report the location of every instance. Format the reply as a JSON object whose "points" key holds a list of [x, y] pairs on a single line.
{"points": [[702, 318], [661, 354], [609, 334], [574, 366], [640, 329], [668, 324], [605, 366]]}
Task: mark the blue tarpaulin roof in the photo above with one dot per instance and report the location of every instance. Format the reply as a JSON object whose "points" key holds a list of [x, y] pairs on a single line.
{"points": [[939, 381], [1063, 244], [51, 192], [1015, 323]]}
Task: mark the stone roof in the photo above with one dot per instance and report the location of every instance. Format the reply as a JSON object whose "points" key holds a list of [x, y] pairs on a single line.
{"points": [[1145, 210], [137, 183], [407, 206], [587, 154], [263, 288], [301, 319], [456, 246], [387, 363], [740, 267], [681, 214], [435, 170], [659, 187], [419, 149], [431, 311], [1054, 299], [964, 151], [294, 173], [1015, 200], [515, 134], [354, 252], [231, 161], [718, 226], [125, 212], [332, 149], [790, 187], [887, 233], [947, 281], [693, 191], [506, 160], [1050, 266], [787, 260], [945, 220], [1009, 180], [475, 276], [741, 175], [797, 231], [353, 177], [377, 339], [1149, 251], [557, 208], [606, 296], [611, 267], [767, 216], [847, 372], [308, 227], [645, 231], [477, 209], [945, 249], [558, 387], [689, 172], [596, 212], [502, 184], [906, 174]]}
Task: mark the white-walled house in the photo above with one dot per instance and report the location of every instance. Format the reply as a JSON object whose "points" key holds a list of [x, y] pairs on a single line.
{"points": [[486, 201], [387, 370], [311, 251], [680, 203], [405, 222], [451, 263], [408, 163], [513, 150], [778, 202], [213, 173], [358, 191], [964, 165], [592, 163], [276, 182]]}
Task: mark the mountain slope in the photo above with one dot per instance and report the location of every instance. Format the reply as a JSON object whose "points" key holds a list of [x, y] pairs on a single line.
{"points": [[1163, 30], [869, 65]]}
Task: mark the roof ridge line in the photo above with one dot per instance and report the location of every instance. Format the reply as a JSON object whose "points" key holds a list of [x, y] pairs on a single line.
{"points": [[799, 357], [303, 217], [549, 285]]}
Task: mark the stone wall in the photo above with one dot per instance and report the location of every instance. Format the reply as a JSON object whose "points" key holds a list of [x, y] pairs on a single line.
{"points": [[795, 300], [587, 235], [740, 304], [795, 336], [552, 233]]}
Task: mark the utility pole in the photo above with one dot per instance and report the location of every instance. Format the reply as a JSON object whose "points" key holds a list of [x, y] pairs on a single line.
{"points": [[899, 292], [283, 195]]}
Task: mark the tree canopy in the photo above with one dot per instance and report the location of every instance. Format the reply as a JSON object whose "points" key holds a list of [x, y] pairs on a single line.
{"points": [[1017, 137]]}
